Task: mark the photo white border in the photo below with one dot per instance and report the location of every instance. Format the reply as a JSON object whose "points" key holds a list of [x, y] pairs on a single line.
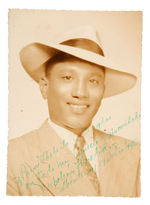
{"points": [[76, 5]]}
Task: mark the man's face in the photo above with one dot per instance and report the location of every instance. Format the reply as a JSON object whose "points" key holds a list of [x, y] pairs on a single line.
{"points": [[74, 93]]}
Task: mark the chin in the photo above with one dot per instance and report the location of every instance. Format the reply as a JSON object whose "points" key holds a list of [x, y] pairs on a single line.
{"points": [[79, 123]]}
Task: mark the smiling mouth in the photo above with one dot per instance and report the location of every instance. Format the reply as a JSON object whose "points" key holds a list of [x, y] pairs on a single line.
{"points": [[79, 108]]}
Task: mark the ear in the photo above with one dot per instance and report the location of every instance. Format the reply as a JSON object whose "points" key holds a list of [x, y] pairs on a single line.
{"points": [[43, 84]]}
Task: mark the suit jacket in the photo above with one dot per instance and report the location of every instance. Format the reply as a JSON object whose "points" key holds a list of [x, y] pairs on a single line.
{"points": [[40, 164]]}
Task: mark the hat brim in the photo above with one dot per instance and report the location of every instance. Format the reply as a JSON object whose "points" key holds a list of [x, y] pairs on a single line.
{"points": [[34, 56]]}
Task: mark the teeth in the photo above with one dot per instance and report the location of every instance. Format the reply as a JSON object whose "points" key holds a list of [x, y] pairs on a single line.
{"points": [[78, 106]]}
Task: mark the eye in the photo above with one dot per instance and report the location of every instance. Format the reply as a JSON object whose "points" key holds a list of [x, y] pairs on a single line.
{"points": [[67, 77], [94, 81]]}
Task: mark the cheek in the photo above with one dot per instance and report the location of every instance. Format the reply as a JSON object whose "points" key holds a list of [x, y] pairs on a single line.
{"points": [[57, 92], [96, 95]]}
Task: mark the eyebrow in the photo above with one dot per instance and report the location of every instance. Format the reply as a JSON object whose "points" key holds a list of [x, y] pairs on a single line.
{"points": [[99, 74]]}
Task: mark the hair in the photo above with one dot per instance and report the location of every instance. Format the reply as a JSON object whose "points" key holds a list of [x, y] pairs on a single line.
{"points": [[62, 57]]}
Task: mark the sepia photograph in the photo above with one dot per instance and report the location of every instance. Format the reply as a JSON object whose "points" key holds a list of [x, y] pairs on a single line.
{"points": [[74, 103]]}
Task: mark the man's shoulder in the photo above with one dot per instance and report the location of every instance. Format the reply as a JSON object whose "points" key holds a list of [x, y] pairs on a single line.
{"points": [[24, 148], [112, 138], [27, 138], [20, 147], [116, 144], [32, 142]]}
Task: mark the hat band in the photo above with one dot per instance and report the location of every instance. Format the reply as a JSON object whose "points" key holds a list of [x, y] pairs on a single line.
{"points": [[84, 44]]}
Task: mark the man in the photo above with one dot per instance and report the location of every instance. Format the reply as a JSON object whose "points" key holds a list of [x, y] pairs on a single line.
{"points": [[67, 155]]}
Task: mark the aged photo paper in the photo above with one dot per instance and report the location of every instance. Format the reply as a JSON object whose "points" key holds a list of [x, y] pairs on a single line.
{"points": [[74, 103]]}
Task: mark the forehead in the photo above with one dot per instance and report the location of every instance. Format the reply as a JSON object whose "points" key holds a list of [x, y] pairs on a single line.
{"points": [[77, 65]]}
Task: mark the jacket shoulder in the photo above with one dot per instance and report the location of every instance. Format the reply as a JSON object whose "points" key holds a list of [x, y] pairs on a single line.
{"points": [[18, 148], [109, 137], [116, 144], [19, 143], [22, 138]]}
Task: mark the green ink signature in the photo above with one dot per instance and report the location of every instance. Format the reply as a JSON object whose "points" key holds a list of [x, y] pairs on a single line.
{"points": [[113, 151]]}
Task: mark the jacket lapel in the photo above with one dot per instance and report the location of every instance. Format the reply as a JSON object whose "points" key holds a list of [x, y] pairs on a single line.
{"points": [[60, 172]]}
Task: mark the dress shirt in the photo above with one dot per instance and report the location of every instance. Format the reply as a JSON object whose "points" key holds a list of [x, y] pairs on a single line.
{"points": [[71, 137]]}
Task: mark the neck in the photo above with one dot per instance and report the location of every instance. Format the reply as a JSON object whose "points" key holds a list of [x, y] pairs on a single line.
{"points": [[77, 131]]}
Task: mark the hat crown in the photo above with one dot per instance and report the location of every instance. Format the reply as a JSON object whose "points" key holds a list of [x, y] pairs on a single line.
{"points": [[82, 32]]}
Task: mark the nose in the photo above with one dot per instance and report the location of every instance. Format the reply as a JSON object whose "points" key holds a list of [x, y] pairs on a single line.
{"points": [[80, 89]]}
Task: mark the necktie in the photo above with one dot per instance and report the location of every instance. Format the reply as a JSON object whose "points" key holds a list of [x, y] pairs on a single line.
{"points": [[84, 163]]}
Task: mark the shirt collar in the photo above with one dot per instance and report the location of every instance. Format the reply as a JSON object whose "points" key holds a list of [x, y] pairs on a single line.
{"points": [[71, 137]]}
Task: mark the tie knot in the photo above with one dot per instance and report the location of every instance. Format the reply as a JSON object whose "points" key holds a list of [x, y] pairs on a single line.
{"points": [[80, 142]]}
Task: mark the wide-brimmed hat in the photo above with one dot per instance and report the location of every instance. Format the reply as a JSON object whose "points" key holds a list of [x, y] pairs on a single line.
{"points": [[83, 43]]}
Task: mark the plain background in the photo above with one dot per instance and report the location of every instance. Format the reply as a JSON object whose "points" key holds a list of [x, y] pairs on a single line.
{"points": [[121, 37], [76, 5]]}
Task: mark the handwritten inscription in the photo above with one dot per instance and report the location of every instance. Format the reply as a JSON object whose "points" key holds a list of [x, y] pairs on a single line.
{"points": [[106, 151], [131, 119]]}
